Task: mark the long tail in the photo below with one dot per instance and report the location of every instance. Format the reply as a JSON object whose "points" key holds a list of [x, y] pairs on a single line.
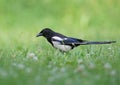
{"points": [[96, 42]]}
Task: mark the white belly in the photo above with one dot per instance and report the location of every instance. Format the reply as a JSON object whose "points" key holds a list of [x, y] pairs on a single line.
{"points": [[61, 47]]}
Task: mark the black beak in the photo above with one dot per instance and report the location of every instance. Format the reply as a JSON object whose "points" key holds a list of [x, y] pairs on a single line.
{"points": [[40, 34]]}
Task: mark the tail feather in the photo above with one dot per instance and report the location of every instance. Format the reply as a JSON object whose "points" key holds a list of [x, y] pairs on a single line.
{"points": [[96, 42]]}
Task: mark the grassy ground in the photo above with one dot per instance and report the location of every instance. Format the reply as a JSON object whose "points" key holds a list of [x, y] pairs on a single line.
{"points": [[27, 60]]}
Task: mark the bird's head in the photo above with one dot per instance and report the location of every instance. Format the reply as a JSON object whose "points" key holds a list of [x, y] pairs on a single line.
{"points": [[46, 32]]}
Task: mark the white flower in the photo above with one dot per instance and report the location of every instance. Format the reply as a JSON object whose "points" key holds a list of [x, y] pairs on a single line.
{"points": [[54, 70], [107, 66], [80, 61], [21, 66], [88, 54], [35, 58], [109, 48], [32, 56], [63, 69], [28, 70], [113, 73], [91, 65], [51, 79], [80, 68], [14, 64], [3, 73]]}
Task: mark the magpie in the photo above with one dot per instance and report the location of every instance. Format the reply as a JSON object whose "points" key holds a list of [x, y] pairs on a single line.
{"points": [[64, 43]]}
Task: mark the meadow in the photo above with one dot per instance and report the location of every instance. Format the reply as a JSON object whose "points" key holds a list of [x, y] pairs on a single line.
{"points": [[28, 60]]}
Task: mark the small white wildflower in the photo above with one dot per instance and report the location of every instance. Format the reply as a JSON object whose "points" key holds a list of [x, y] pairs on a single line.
{"points": [[37, 79], [54, 70], [80, 61], [68, 81], [49, 66], [107, 66], [84, 73], [88, 54], [97, 77], [28, 70], [14, 64], [91, 65], [35, 58], [80, 68], [30, 55], [62, 69], [109, 48], [113, 73], [51, 79], [3, 73], [92, 52], [21, 66]]}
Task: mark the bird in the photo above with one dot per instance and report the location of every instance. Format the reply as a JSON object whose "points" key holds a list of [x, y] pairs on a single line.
{"points": [[64, 43]]}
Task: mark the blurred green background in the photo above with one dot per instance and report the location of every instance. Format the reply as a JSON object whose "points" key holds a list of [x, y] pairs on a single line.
{"points": [[21, 20], [27, 60]]}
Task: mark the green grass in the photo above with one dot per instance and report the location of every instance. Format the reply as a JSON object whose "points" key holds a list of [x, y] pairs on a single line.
{"points": [[27, 60], [86, 65]]}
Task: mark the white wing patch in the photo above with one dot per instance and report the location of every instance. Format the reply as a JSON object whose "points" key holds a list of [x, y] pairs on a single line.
{"points": [[57, 38], [61, 47]]}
